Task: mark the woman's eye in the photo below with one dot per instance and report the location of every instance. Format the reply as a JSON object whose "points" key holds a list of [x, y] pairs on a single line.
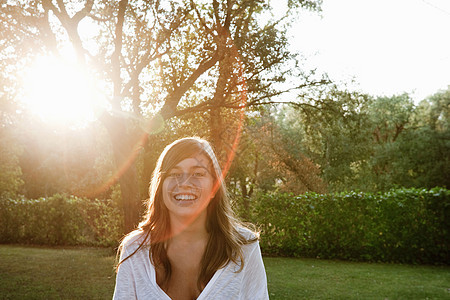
{"points": [[199, 174], [175, 175]]}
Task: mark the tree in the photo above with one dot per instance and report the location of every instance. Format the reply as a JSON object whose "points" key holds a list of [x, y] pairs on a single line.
{"points": [[434, 111], [420, 155], [390, 115], [157, 58], [374, 144], [10, 148], [271, 157], [10, 171], [334, 129], [62, 160]]}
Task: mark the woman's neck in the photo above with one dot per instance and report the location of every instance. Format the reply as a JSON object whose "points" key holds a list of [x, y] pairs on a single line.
{"points": [[188, 230]]}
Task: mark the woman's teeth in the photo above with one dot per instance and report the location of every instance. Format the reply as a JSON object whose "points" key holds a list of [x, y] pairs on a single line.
{"points": [[181, 197]]}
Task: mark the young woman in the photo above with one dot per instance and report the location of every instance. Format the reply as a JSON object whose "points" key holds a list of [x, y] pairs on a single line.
{"points": [[189, 245]]}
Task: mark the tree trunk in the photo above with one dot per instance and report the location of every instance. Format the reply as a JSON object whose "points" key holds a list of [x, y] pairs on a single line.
{"points": [[245, 197], [126, 174], [215, 127]]}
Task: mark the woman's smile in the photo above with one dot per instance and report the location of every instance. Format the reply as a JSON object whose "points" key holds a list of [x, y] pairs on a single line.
{"points": [[184, 199]]}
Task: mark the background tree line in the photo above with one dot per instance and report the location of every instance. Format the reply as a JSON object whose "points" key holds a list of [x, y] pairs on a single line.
{"points": [[220, 70]]}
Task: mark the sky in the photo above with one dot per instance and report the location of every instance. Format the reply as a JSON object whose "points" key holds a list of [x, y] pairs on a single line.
{"points": [[387, 46]]}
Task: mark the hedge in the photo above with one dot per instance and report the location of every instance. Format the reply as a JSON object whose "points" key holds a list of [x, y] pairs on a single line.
{"points": [[60, 220], [403, 225]]}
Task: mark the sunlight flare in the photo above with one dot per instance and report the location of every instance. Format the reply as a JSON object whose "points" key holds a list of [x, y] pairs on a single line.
{"points": [[61, 92]]}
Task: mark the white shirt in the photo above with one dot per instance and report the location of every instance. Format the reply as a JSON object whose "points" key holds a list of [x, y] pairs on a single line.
{"points": [[136, 277]]}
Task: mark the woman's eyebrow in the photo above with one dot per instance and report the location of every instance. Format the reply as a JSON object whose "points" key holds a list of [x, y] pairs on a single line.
{"points": [[193, 167], [199, 167]]}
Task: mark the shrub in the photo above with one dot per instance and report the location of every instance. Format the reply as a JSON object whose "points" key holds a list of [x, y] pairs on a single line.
{"points": [[403, 225], [60, 220]]}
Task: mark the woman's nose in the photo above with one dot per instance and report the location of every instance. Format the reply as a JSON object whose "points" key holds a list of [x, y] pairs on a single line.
{"points": [[185, 179]]}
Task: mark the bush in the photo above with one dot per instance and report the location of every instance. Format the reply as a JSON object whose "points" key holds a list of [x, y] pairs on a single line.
{"points": [[60, 220], [404, 225]]}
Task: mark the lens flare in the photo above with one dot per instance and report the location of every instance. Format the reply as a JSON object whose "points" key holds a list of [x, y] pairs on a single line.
{"points": [[157, 124], [61, 92]]}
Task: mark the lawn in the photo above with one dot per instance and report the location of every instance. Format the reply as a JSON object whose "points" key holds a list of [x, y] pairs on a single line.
{"points": [[56, 273], [290, 278], [87, 273]]}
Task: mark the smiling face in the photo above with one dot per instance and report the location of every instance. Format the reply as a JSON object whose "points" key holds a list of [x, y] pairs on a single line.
{"points": [[188, 187]]}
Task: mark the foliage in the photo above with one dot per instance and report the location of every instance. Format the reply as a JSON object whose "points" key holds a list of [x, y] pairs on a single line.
{"points": [[404, 225], [60, 220], [390, 116], [11, 179], [271, 155], [412, 146], [435, 111], [420, 157], [373, 144], [334, 129], [196, 65], [10, 171], [63, 160], [159, 58]]}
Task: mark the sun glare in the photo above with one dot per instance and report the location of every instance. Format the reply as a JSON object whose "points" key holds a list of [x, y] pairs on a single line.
{"points": [[60, 92]]}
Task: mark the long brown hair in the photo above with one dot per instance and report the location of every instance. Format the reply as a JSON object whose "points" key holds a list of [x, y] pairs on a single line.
{"points": [[224, 243]]}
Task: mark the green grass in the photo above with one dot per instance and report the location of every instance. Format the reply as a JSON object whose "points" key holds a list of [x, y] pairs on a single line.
{"points": [[56, 273], [290, 278], [85, 273]]}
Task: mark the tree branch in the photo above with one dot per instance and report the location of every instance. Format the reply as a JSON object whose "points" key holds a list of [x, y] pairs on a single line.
{"points": [[197, 108], [202, 21], [174, 98], [84, 12], [309, 84]]}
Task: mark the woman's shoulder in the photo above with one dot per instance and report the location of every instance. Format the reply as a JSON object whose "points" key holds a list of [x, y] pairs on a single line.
{"points": [[251, 241], [133, 240], [247, 233]]}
